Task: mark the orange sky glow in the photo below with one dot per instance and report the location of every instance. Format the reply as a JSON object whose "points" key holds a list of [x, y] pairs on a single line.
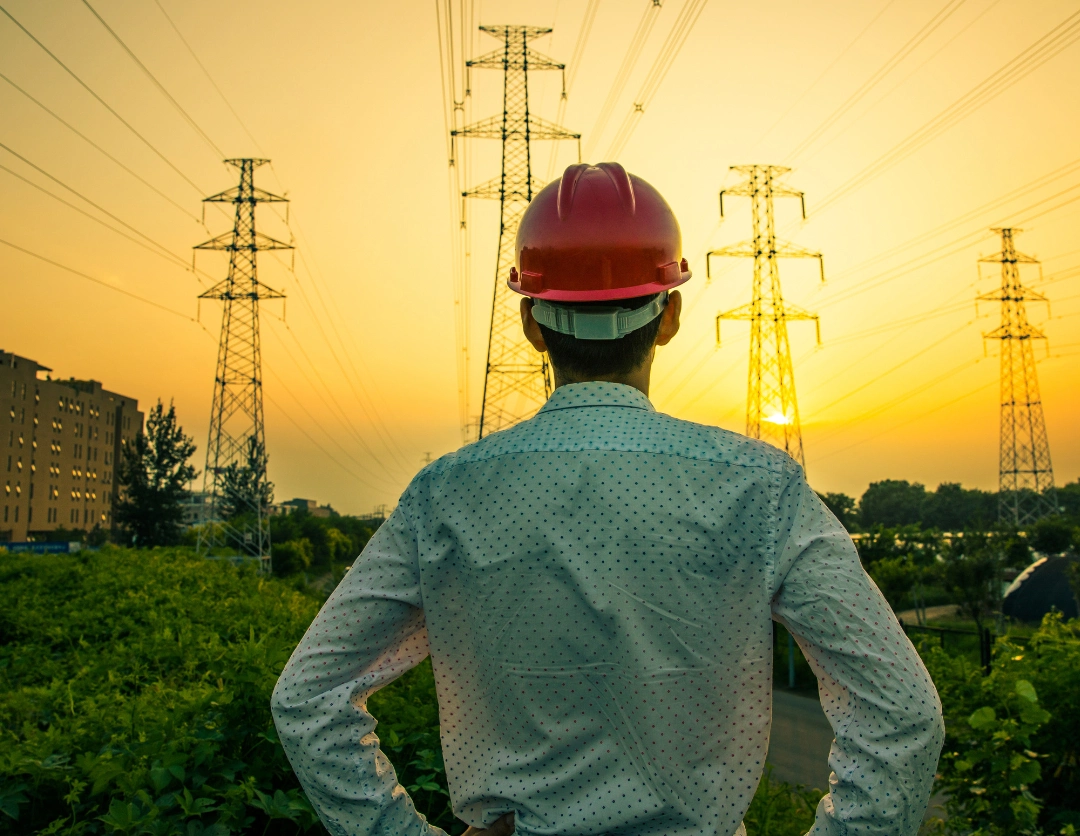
{"points": [[909, 126]]}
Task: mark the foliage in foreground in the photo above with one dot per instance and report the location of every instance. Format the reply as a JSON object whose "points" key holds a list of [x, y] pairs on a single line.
{"points": [[1010, 760], [134, 695]]}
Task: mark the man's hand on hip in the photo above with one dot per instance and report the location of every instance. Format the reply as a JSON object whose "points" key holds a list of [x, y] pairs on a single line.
{"points": [[504, 826]]}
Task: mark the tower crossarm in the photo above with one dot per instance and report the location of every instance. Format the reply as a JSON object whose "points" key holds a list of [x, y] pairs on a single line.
{"points": [[517, 32], [227, 290], [228, 241], [499, 60], [256, 195]]}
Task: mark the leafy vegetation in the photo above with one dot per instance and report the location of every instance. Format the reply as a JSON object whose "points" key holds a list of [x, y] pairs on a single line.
{"points": [[1010, 760], [134, 695]]}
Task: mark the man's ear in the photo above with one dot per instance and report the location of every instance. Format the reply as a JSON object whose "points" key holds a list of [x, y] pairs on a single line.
{"points": [[669, 319], [530, 326]]}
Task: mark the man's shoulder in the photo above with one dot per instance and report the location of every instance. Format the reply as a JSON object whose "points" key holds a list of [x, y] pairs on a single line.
{"points": [[626, 431]]}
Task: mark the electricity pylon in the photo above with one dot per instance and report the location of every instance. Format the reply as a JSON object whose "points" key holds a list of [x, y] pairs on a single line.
{"points": [[516, 381], [772, 412], [1025, 476], [235, 477]]}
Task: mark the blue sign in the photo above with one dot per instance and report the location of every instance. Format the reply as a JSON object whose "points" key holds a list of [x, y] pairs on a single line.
{"points": [[42, 548]]}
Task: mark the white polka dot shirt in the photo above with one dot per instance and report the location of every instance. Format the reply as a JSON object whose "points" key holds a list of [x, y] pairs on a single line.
{"points": [[596, 588]]}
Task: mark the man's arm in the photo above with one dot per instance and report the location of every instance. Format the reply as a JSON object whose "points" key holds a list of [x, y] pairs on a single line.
{"points": [[874, 688], [370, 631]]}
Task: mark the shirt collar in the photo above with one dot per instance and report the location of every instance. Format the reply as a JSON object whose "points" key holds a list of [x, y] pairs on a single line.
{"points": [[596, 393]]}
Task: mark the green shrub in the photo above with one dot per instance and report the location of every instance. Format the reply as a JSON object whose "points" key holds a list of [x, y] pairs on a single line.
{"points": [[779, 809], [292, 556], [134, 695], [1010, 759]]}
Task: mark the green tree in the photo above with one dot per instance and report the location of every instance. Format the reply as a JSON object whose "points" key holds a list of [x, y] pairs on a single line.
{"points": [[152, 474], [1051, 535], [244, 486], [954, 508], [892, 502], [292, 556], [843, 508], [972, 572]]}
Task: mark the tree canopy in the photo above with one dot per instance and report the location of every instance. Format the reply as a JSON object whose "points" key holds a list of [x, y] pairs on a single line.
{"points": [[153, 473]]}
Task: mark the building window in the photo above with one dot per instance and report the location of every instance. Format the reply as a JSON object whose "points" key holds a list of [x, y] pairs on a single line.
{"points": [[16, 513], [5, 513]]}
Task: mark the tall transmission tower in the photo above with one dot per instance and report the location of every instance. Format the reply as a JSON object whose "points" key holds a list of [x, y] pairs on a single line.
{"points": [[235, 481], [516, 381], [772, 412], [1025, 476]]}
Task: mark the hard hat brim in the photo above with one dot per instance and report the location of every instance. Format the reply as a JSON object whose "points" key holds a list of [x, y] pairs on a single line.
{"points": [[608, 294]]}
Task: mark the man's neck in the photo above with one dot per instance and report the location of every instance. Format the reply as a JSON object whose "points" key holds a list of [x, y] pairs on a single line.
{"points": [[638, 378]]}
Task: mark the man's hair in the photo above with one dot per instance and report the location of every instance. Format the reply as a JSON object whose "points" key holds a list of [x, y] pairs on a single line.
{"points": [[602, 358]]}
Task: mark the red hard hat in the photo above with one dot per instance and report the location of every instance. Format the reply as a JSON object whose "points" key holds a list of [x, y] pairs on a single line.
{"points": [[597, 234]]}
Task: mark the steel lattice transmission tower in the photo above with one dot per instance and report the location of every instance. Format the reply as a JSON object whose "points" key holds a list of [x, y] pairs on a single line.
{"points": [[516, 381], [1025, 476], [236, 449], [772, 412]]}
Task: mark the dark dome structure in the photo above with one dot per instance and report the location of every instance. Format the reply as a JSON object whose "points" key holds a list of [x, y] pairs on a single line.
{"points": [[1041, 587]]}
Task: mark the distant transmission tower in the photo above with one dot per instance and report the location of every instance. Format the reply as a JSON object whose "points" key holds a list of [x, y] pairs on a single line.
{"points": [[516, 381], [235, 472], [772, 413], [1025, 476]]}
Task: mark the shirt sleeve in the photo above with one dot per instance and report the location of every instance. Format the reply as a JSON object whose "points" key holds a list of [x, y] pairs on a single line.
{"points": [[874, 688], [370, 631]]}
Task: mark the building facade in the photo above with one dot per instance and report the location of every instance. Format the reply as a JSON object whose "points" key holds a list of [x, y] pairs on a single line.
{"points": [[60, 444]]}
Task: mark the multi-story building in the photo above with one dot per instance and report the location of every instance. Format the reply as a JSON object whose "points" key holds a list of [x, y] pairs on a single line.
{"points": [[59, 447]]}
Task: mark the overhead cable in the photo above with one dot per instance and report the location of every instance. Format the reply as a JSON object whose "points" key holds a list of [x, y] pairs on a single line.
{"points": [[158, 250], [88, 277], [209, 77], [1059, 38], [622, 75], [103, 103], [825, 72], [943, 14], [573, 66], [821, 146], [688, 16], [101, 150], [161, 88], [914, 418], [97, 206]]}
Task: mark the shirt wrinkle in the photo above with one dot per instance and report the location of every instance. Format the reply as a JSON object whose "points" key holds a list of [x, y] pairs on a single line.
{"points": [[596, 588]]}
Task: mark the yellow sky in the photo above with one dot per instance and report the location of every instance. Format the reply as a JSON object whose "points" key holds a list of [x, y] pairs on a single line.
{"points": [[345, 99]]}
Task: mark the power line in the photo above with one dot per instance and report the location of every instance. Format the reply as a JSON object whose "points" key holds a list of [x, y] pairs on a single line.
{"points": [[574, 66], [98, 148], [824, 72], [622, 75], [943, 14], [952, 248], [102, 102], [880, 375], [340, 414], [1023, 64], [870, 107], [209, 77], [688, 16], [1039, 182], [369, 408], [917, 417], [88, 277], [313, 420], [161, 88], [101, 209], [336, 460], [166, 255]]}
